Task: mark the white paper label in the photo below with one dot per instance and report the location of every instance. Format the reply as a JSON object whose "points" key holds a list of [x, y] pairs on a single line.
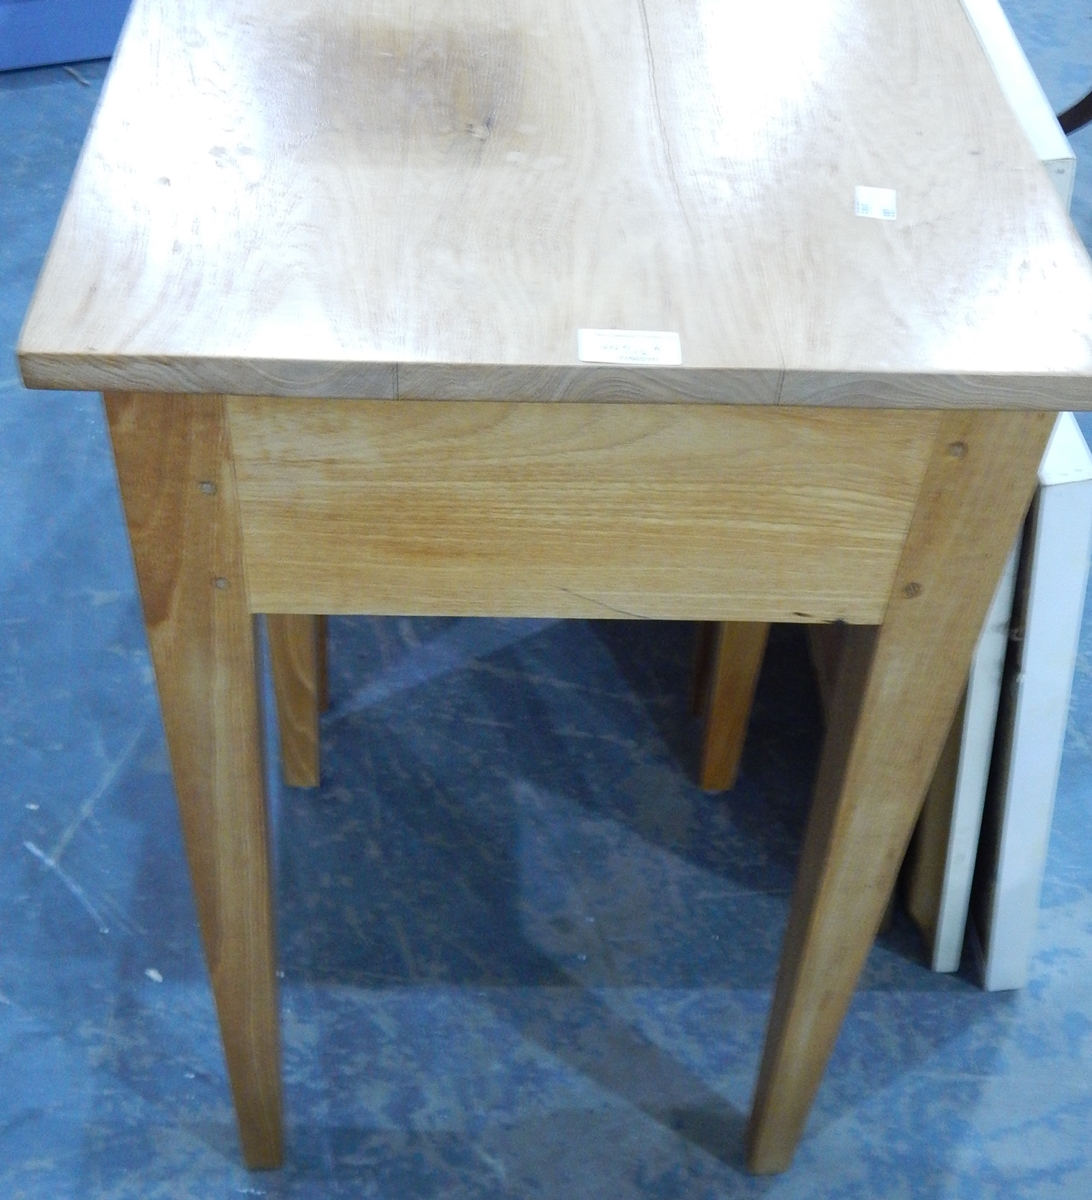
{"points": [[640, 347], [874, 202]]}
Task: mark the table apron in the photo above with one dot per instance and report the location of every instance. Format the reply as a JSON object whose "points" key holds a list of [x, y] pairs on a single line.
{"points": [[577, 510]]}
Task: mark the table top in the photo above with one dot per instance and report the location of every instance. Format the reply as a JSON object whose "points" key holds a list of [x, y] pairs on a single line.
{"points": [[430, 198]]}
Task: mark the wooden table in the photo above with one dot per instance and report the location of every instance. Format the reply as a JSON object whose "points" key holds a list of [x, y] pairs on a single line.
{"points": [[328, 260]]}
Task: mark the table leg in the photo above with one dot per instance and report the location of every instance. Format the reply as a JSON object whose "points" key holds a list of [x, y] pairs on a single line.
{"points": [[177, 483], [704, 640], [297, 653], [825, 649], [738, 649], [897, 690]]}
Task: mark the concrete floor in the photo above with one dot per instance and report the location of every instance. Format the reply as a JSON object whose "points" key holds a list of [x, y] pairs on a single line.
{"points": [[523, 955]]}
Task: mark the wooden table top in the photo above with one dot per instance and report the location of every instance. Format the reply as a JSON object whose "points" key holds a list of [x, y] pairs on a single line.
{"points": [[429, 198]]}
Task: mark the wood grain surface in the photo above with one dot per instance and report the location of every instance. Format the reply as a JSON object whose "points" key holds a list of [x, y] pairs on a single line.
{"points": [[428, 198], [825, 650], [927, 855], [737, 653], [898, 688], [174, 467], [297, 652], [492, 509]]}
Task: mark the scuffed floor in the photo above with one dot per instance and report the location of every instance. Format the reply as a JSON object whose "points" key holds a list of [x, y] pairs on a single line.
{"points": [[523, 955]]}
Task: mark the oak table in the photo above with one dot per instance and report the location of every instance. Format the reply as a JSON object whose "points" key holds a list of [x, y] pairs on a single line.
{"points": [[716, 311]]}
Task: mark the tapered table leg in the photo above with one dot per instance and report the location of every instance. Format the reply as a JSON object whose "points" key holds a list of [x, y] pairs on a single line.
{"points": [[825, 648], [174, 465], [897, 690], [297, 652], [738, 649], [705, 636]]}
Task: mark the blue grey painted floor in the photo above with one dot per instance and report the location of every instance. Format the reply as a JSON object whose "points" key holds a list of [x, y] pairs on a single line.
{"points": [[523, 956]]}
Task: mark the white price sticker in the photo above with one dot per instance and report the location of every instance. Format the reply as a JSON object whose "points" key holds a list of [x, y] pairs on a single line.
{"points": [[637, 347], [874, 202]]}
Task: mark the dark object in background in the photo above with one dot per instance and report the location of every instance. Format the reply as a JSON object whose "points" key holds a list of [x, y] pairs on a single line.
{"points": [[1077, 116]]}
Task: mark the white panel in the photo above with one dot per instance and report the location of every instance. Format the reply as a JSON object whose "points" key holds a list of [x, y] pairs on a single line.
{"points": [[1066, 460], [1056, 589], [975, 751]]}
